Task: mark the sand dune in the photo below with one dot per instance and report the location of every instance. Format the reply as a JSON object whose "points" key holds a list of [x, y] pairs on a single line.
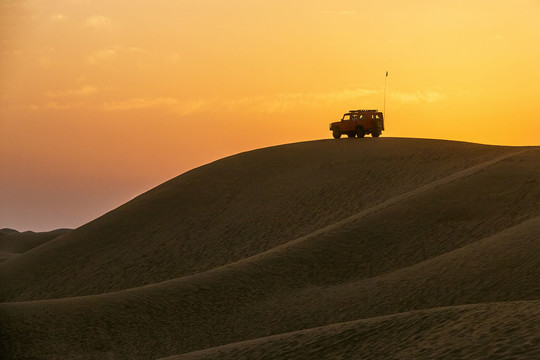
{"points": [[13, 242], [439, 333], [381, 248], [232, 209]]}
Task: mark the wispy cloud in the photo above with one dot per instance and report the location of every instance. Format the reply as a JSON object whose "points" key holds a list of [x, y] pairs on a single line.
{"points": [[84, 90], [339, 12], [417, 96], [98, 22], [140, 103], [272, 103], [101, 55], [15, 52], [283, 102], [111, 52], [180, 107], [58, 17], [275, 103], [53, 105]]}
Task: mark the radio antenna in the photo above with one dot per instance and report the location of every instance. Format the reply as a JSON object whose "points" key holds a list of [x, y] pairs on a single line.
{"points": [[384, 106]]}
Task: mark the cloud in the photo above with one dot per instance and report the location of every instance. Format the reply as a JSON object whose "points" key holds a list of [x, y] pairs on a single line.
{"points": [[111, 53], [98, 22], [56, 106], [58, 17], [84, 90], [161, 103], [339, 12], [140, 103], [101, 55], [271, 103], [134, 49], [417, 97], [15, 52], [283, 102], [280, 102]]}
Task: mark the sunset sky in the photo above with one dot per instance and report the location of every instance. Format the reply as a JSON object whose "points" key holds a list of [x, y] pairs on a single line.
{"points": [[103, 100]]}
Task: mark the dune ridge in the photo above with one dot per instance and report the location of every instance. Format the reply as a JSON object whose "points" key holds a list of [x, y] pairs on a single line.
{"points": [[446, 253]]}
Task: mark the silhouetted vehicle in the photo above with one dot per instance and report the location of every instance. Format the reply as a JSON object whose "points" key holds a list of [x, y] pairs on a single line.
{"points": [[359, 123]]}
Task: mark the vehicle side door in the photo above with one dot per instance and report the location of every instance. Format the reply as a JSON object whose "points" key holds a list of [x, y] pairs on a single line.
{"points": [[360, 121], [347, 122]]}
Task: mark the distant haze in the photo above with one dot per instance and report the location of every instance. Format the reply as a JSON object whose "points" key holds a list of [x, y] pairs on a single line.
{"points": [[102, 100]]}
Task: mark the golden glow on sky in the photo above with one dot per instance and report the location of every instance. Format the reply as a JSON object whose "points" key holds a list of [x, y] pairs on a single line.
{"points": [[102, 100]]}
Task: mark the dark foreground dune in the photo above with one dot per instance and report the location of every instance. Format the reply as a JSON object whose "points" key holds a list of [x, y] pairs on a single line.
{"points": [[371, 248]]}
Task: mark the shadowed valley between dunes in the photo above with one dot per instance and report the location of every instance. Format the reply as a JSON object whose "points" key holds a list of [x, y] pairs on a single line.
{"points": [[352, 248], [14, 243]]}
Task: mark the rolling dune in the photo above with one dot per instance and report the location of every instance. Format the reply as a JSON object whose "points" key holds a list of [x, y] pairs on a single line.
{"points": [[372, 248], [434, 334], [13, 242]]}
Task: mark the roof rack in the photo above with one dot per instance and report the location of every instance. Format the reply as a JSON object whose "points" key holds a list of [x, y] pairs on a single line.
{"points": [[363, 110]]}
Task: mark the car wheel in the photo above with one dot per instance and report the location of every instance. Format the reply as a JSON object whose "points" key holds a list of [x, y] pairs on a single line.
{"points": [[336, 134], [360, 132]]}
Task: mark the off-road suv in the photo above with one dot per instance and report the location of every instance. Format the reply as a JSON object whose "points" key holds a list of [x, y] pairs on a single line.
{"points": [[359, 123]]}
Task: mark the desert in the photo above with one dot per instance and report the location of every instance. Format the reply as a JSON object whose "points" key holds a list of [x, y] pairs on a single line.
{"points": [[374, 248]]}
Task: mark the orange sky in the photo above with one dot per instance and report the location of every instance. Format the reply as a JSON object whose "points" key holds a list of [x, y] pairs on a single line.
{"points": [[102, 100]]}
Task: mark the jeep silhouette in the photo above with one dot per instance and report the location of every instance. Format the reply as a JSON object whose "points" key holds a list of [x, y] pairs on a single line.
{"points": [[359, 123]]}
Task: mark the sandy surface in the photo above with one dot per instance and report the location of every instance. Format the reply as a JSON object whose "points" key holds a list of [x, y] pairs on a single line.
{"points": [[371, 248], [14, 243], [457, 332]]}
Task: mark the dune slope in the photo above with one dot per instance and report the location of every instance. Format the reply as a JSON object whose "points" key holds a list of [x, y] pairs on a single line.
{"points": [[463, 233], [436, 334], [231, 209]]}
